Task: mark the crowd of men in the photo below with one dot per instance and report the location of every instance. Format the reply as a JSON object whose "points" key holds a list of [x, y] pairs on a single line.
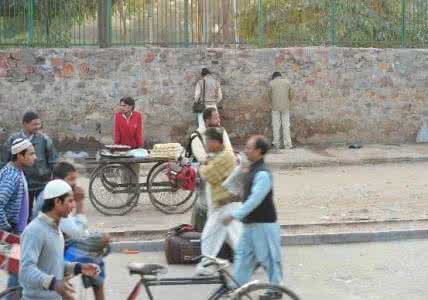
{"points": [[40, 201]]}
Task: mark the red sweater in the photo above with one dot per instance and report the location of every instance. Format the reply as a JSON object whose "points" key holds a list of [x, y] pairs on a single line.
{"points": [[128, 131]]}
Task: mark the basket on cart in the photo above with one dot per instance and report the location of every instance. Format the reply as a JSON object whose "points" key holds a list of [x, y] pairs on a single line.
{"points": [[9, 252]]}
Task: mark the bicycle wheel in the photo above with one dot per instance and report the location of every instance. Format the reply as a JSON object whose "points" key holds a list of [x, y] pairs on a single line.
{"points": [[262, 291], [113, 189], [166, 197], [13, 293]]}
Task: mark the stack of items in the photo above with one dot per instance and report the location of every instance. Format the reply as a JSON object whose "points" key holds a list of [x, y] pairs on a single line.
{"points": [[168, 151]]}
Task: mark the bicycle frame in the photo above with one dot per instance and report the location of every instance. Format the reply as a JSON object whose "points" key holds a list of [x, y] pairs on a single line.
{"points": [[148, 281]]}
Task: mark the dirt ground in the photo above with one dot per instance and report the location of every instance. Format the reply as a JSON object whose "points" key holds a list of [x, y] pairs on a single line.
{"points": [[311, 196]]}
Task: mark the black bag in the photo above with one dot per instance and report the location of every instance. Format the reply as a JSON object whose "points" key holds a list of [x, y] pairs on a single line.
{"points": [[182, 245], [199, 106]]}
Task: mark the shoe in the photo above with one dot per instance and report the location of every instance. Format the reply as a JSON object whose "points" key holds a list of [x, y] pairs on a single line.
{"points": [[201, 271], [271, 296]]}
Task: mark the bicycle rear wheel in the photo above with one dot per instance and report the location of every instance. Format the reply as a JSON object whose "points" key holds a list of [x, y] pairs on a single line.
{"points": [[13, 293], [262, 291]]}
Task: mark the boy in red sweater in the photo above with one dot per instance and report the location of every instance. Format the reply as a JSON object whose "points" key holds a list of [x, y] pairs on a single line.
{"points": [[128, 125]]}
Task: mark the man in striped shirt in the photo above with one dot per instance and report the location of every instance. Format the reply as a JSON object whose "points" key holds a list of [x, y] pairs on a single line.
{"points": [[14, 203]]}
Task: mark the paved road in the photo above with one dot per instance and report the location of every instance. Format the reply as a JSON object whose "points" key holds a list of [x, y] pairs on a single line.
{"points": [[370, 271]]}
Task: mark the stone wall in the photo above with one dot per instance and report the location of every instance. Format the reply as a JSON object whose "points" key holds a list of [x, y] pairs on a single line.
{"points": [[341, 95]]}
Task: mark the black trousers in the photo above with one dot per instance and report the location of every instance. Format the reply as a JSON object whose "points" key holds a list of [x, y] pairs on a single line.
{"points": [[32, 195]]}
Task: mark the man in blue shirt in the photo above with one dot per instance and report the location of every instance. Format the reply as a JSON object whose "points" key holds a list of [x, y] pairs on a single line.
{"points": [[260, 242], [14, 206]]}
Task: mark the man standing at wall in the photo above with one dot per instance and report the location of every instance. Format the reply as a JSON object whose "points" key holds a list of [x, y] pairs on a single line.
{"points": [[280, 94], [208, 91], [40, 172], [260, 242]]}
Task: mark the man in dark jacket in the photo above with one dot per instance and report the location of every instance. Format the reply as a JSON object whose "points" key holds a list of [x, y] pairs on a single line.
{"points": [[260, 242], [40, 172]]}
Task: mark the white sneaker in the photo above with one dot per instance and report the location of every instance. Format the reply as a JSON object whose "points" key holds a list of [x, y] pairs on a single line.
{"points": [[202, 271]]}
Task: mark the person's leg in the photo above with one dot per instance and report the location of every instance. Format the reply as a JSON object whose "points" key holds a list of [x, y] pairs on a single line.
{"points": [[244, 260], [276, 124], [286, 130], [199, 212], [267, 245], [212, 239], [213, 235], [201, 123], [234, 229]]}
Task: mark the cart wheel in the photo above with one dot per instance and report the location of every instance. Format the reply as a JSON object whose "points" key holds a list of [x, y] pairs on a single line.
{"points": [[113, 189], [165, 197]]}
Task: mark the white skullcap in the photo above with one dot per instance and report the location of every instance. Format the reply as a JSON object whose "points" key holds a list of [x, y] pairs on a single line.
{"points": [[56, 188], [20, 145]]}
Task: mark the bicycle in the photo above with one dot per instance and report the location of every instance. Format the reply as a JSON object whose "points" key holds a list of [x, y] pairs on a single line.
{"points": [[150, 276], [13, 293]]}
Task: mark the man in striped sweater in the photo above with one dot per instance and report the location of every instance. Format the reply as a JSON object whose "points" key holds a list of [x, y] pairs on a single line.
{"points": [[14, 204]]}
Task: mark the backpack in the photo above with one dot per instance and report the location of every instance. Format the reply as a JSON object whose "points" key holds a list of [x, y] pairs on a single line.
{"points": [[189, 152]]}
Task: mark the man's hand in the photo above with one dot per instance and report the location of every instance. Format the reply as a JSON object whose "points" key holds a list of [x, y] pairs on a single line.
{"points": [[105, 239], [91, 270], [79, 196], [227, 220], [65, 289]]}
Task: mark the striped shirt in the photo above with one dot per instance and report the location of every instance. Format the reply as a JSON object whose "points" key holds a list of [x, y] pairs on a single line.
{"points": [[12, 193]]}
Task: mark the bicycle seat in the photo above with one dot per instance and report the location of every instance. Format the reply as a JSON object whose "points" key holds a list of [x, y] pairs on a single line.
{"points": [[147, 269]]}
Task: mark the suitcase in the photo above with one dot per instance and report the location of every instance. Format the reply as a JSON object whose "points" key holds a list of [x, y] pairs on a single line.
{"points": [[183, 245], [183, 248]]}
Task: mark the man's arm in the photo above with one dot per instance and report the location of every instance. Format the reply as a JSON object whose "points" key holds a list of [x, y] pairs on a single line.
{"points": [[219, 93], [261, 187], [29, 273], [6, 155], [198, 91], [51, 153], [198, 149], [7, 189], [226, 141], [218, 169]]}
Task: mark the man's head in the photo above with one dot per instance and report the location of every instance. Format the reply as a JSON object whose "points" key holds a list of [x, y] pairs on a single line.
{"points": [[275, 75], [67, 172], [257, 146], [58, 198], [23, 153], [31, 122], [214, 139], [127, 104], [205, 72], [211, 117]]}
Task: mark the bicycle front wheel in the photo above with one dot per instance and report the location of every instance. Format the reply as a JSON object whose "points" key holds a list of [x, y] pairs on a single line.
{"points": [[14, 293], [261, 291]]}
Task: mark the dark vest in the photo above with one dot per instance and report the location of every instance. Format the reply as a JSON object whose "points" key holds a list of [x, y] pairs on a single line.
{"points": [[265, 212]]}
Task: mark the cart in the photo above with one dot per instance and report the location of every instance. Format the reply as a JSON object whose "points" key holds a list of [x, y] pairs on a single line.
{"points": [[114, 188]]}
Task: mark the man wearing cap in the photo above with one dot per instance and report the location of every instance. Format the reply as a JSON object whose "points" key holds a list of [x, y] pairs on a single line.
{"points": [[42, 266], [39, 173], [14, 208]]}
